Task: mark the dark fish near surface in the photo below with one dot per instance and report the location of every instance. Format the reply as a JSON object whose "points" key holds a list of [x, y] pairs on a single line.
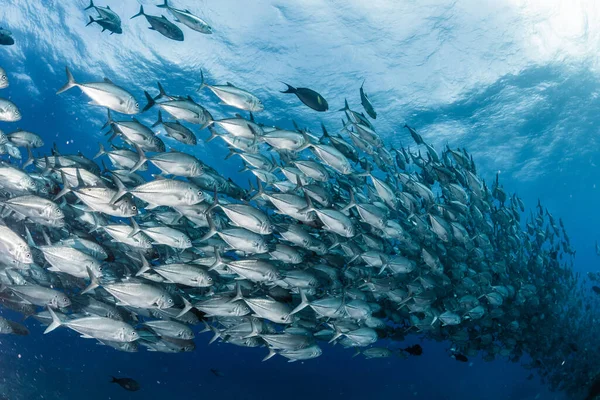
{"points": [[126, 383], [162, 25], [309, 97], [107, 25], [366, 103]]}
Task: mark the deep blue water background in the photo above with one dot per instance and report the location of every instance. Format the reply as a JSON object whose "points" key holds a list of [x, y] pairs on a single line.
{"points": [[516, 84]]}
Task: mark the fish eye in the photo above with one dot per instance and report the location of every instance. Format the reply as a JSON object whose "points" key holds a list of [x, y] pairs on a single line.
{"points": [[137, 105], [134, 208]]}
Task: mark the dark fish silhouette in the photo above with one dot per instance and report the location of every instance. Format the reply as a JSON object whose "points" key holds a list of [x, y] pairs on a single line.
{"points": [[6, 37], [414, 350], [366, 103], [126, 383], [106, 25], [162, 25], [460, 357], [596, 289], [216, 372], [416, 137], [309, 97]]}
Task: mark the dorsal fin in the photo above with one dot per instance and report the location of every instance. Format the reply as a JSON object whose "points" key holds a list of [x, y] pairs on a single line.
{"points": [[108, 80], [230, 84]]}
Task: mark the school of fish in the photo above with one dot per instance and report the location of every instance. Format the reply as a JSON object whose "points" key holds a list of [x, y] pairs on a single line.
{"points": [[340, 239]]}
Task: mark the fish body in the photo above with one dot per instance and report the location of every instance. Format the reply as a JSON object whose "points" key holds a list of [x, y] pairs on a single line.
{"points": [[104, 94], [309, 97], [366, 103], [9, 111], [234, 96], [188, 19], [162, 25]]}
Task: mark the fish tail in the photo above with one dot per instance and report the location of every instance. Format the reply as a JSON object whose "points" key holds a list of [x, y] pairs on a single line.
{"points": [[272, 353], [66, 187], [141, 159], [134, 231], [238, 294], [164, 5], [303, 303], [145, 265], [151, 101], [56, 322], [100, 152], [159, 120], [187, 306], [260, 190], [162, 93], [233, 153], [90, 6], [70, 82], [346, 107], [30, 159], [92, 20], [202, 84], [93, 282], [212, 228], [140, 13], [290, 89], [213, 134], [109, 119], [121, 190]]}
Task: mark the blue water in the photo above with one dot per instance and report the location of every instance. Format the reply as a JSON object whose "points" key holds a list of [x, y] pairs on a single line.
{"points": [[515, 84]]}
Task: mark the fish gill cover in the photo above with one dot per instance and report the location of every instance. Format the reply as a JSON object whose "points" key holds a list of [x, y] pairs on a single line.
{"points": [[370, 232]]}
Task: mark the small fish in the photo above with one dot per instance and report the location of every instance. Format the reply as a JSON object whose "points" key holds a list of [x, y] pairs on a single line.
{"points": [[188, 19], [162, 25], [414, 350], [596, 289], [126, 383], [105, 13], [460, 357], [309, 97], [105, 94], [107, 25], [233, 96], [216, 372], [366, 103]]}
